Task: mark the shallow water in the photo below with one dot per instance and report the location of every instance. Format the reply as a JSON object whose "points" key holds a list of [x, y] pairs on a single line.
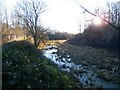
{"points": [[86, 76]]}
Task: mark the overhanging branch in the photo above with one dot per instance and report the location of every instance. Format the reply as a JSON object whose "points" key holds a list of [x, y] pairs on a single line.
{"points": [[96, 15]]}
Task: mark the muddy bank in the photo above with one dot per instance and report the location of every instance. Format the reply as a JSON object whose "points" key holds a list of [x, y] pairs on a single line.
{"points": [[105, 63], [85, 74]]}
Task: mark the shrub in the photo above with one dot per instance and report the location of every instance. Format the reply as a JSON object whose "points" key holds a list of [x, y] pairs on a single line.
{"points": [[24, 67]]}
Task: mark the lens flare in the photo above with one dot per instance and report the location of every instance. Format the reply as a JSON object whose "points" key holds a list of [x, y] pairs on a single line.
{"points": [[97, 21]]}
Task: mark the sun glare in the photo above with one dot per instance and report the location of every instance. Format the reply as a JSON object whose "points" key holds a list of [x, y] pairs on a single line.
{"points": [[97, 21]]}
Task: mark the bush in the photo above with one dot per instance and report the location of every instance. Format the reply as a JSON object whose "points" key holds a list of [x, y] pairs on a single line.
{"points": [[24, 67], [98, 36]]}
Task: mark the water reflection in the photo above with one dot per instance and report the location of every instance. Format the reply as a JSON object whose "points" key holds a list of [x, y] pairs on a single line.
{"points": [[86, 76]]}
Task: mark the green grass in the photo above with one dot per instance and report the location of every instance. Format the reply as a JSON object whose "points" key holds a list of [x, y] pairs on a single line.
{"points": [[25, 67], [103, 60]]}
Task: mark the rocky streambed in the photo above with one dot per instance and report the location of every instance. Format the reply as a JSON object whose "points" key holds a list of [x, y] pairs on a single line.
{"points": [[87, 77]]}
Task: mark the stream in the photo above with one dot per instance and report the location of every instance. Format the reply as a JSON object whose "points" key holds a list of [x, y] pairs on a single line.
{"points": [[87, 77]]}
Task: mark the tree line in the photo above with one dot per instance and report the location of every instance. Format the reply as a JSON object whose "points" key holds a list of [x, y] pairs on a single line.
{"points": [[106, 35], [26, 18], [25, 21], [56, 35]]}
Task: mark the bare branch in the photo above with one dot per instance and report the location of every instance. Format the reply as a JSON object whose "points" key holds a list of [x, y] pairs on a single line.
{"points": [[29, 12], [96, 15]]}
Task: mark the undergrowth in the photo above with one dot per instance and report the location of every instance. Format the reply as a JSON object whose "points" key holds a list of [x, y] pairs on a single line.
{"points": [[23, 66]]}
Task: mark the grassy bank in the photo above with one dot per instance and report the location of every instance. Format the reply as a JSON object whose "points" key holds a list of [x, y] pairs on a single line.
{"points": [[23, 66], [105, 63]]}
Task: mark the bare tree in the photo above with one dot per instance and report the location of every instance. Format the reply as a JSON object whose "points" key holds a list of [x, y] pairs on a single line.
{"points": [[29, 12], [96, 15], [1, 11], [4, 27]]}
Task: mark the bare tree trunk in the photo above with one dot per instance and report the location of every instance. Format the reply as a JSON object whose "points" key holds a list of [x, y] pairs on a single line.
{"points": [[35, 41]]}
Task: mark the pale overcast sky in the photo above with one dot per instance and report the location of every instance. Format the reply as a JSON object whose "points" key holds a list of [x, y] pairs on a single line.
{"points": [[65, 15]]}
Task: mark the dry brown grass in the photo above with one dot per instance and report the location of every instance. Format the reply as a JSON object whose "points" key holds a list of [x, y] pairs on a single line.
{"points": [[100, 59], [50, 42]]}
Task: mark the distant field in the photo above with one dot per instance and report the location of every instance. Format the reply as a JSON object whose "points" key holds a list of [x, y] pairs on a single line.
{"points": [[51, 42], [43, 44], [55, 42]]}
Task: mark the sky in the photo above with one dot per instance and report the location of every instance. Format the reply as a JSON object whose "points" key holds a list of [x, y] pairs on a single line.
{"points": [[64, 15]]}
